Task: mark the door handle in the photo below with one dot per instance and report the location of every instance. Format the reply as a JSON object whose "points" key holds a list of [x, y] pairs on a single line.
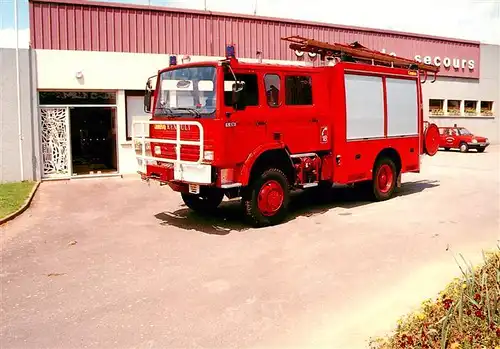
{"points": [[314, 120], [260, 123]]}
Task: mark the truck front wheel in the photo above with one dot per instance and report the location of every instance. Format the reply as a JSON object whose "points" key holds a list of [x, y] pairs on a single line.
{"points": [[205, 202], [266, 199]]}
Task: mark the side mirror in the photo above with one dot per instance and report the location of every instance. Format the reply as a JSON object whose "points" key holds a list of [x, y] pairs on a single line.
{"points": [[147, 101], [148, 93], [238, 97]]}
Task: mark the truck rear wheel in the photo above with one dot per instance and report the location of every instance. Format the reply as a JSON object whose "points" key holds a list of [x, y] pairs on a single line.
{"points": [[266, 199], [204, 202], [384, 179]]}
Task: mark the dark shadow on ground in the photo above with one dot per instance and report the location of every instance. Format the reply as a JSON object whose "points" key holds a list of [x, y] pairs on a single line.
{"points": [[229, 216]]}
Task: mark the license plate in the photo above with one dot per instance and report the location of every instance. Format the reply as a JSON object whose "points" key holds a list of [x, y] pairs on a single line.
{"points": [[194, 188]]}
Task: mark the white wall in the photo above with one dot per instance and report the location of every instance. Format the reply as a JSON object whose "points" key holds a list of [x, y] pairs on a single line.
{"points": [[104, 70]]}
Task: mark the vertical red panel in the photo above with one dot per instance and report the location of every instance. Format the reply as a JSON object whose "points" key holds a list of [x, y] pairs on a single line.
{"points": [[102, 34], [154, 32], [110, 31], [118, 26], [63, 27], [132, 33], [71, 23], [139, 32], [38, 28], [164, 23], [94, 29]]}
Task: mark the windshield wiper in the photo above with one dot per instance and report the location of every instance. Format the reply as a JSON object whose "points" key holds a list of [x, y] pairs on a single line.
{"points": [[192, 110], [165, 111]]}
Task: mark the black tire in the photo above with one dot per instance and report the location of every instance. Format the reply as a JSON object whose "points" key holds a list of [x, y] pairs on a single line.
{"points": [[480, 150], [250, 199], [205, 202], [464, 148], [381, 194], [446, 149]]}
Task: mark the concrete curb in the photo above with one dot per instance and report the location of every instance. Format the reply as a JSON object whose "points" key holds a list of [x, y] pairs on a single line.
{"points": [[24, 207]]}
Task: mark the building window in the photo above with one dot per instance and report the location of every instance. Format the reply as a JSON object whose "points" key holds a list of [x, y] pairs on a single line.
{"points": [[486, 108], [436, 106], [298, 90], [272, 84], [470, 108], [453, 107], [250, 92]]}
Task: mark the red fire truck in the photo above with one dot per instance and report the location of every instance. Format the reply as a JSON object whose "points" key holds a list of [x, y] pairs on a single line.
{"points": [[259, 131]]}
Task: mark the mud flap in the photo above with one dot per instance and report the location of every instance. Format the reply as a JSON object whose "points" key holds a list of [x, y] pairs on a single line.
{"points": [[398, 181]]}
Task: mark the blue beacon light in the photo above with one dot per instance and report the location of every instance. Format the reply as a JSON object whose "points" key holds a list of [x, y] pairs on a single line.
{"points": [[230, 51]]}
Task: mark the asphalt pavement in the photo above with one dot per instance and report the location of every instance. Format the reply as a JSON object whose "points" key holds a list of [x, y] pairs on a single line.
{"points": [[115, 263]]}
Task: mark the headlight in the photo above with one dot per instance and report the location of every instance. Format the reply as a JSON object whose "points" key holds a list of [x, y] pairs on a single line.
{"points": [[474, 141], [486, 141], [208, 155]]}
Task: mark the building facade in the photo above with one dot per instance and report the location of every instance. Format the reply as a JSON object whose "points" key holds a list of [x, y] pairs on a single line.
{"points": [[90, 62]]}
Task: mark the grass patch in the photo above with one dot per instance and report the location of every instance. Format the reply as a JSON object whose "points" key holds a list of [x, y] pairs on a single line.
{"points": [[465, 315], [13, 195]]}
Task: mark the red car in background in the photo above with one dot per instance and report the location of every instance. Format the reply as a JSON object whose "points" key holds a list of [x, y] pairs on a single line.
{"points": [[461, 138]]}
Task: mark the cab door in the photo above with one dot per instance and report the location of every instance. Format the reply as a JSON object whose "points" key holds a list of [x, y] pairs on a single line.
{"points": [[245, 129], [296, 118]]}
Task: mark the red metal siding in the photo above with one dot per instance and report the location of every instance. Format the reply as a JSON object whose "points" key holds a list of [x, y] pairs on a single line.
{"points": [[71, 25]]}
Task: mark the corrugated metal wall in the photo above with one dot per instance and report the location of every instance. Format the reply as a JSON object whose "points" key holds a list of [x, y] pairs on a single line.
{"points": [[71, 25]]}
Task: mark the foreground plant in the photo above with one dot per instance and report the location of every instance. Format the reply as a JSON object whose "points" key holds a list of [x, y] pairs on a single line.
{"points": [[466, 314]]}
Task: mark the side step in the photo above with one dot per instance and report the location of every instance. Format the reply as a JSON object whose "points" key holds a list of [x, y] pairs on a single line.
{"points": [[308, 185]]}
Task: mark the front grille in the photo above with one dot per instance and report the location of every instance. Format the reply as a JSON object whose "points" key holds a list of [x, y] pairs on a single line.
{"points": [[188, 152]]}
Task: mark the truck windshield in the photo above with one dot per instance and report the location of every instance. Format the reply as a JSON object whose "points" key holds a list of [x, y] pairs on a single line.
{"points": [[187, 92]]}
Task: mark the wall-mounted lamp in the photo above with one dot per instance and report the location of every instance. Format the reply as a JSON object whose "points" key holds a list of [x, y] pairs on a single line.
{"points": [[259, 56], [79, 74]]}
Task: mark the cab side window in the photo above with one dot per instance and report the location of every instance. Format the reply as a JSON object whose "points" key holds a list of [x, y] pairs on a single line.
{"points": [[272, 84], [298, 90], [251, 88]]}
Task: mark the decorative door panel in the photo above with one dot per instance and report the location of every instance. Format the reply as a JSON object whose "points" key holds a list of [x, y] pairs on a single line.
{"points": [[55, 142]]}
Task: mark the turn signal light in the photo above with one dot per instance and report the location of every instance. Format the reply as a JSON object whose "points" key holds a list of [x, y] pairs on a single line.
{"points": [[226, 175], [208, 155]]}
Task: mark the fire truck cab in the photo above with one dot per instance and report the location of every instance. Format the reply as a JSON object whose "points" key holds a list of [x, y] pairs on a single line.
{"points": [[258, 131]]}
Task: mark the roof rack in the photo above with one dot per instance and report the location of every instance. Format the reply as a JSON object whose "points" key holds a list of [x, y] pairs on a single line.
{"points": [[355, 52]]}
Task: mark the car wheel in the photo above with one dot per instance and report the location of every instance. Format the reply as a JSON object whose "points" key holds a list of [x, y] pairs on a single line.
{"points": [[266, 199], [447, 149], [206, 202], [384, 179], [464, 148]]}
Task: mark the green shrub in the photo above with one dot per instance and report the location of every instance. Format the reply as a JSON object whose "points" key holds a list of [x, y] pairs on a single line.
{"points": [[465, 315]]}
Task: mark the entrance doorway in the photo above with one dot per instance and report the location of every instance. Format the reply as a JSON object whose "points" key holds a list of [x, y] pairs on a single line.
{"points": [[78, 131], [93, 140]]}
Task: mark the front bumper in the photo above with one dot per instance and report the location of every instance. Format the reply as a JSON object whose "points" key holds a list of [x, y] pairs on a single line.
{"points": [[202, 174], [478, 145]]}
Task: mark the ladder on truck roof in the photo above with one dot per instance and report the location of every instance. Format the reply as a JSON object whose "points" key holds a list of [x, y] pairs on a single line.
{"points": [[355, 52]]}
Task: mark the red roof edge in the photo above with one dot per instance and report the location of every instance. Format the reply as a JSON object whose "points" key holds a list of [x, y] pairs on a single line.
{"points": [[244, 16]]}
